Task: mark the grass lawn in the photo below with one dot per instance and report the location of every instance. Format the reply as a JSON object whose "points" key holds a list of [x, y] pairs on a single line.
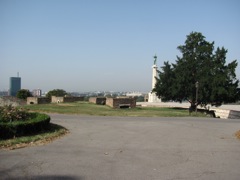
{"points": [[55, 131], [85, 108]]}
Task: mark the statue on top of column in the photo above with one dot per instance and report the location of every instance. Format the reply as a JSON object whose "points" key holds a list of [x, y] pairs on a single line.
{"points": [[155, 60]]}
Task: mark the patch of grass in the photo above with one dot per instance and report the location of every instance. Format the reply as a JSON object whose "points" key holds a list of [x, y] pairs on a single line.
{"points": [[85, 108], [54, 131]]}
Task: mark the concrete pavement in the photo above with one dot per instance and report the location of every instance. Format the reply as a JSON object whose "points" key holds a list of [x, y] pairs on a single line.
{"points": [[187, 104], [131, 148]]}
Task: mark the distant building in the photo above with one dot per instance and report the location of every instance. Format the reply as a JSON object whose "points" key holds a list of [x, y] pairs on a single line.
{"points": [[15, 85], [37, 92], [133, 94]]}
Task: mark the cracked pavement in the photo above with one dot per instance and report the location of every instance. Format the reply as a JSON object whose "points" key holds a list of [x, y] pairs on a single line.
{"points": [[131, 148]]}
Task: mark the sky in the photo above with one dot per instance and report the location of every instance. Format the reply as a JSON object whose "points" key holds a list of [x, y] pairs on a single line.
{"points": [[105, 45]]}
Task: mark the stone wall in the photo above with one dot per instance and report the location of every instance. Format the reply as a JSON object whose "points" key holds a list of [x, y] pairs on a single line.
{"points": [[98, 100], [56, 99], [234, 115], [43, 100], [73, 99], [121, 102], [11, 100], [38, 100], [227, 114], [32, 100]]}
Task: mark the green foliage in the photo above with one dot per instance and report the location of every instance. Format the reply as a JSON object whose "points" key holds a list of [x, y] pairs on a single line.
{"points": [[36, 123], [56, 92], [23, 94], [52, 132], [199, 63], [139, 98], [10, 114], [165, 82]]}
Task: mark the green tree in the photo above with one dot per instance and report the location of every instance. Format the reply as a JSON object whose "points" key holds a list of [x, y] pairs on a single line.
{"points": [[165, 82], [224, 84], [56, 92], [139, 98], [23, 94], [199, 63]]}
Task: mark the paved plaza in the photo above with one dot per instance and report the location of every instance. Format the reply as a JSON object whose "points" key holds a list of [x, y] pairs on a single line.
{"points": [[131, 148], [187, 104]]}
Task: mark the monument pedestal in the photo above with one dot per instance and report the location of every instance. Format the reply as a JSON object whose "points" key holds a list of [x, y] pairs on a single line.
{"points": [[152, 97]]}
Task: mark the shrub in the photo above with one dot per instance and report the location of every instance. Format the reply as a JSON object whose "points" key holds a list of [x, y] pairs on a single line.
{"points": [[35, 123], [10, 113]]}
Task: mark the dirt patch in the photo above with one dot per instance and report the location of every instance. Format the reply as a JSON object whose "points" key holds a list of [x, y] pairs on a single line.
{"points": [[237, 134]]}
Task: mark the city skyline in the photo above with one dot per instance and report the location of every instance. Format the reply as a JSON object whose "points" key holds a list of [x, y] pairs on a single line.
{"points": [[105, 45]]}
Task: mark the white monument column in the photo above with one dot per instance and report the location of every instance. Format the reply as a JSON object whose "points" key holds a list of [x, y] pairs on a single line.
{"points": [[152, 97], [154, 75]]}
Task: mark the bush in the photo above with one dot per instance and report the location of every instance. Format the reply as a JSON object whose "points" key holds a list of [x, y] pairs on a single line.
{"points": [[35, 123], [10, 113]]}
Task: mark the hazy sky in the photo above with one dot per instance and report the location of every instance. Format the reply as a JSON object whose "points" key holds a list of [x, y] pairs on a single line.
{"points": [[88, 45]]}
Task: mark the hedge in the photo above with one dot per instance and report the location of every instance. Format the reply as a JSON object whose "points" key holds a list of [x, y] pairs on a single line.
{"points": [[35, 124]]}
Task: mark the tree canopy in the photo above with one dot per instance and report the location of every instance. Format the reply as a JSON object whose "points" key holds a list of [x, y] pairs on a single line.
{"points": [[200, 75], [23, 94], [56, 92]]}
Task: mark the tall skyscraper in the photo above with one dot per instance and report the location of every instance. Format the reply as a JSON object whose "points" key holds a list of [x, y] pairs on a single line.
{"points": [[15, 85]]}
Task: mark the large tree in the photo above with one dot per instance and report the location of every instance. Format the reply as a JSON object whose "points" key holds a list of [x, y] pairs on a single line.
{"points": [[56, 92], [23, 94], [200, 75]]}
